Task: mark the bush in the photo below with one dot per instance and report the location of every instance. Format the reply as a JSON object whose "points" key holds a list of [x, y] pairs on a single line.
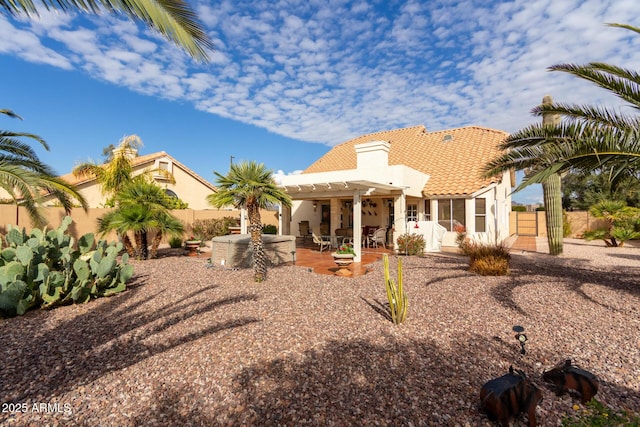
{"points": [[269, 229], [621, 222], [207, 229], [42, 269], [488, 260], [175, 242], [518, 208], [411, 244]]}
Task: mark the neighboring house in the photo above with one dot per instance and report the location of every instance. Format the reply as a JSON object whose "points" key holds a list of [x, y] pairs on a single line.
{"points": [[399, 178], [188, 186]]}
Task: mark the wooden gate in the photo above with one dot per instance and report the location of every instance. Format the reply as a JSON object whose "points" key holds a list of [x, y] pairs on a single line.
{"points": [[527, 223]]}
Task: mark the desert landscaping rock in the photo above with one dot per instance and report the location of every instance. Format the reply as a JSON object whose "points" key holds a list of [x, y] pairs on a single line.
{"points": [[193, 345]]}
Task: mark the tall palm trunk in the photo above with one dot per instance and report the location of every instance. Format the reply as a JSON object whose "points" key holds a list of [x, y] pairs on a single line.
{"points": [[128, 246], [155, 244], [144, 249], [138, 239], [255, 228], [552, 195]]}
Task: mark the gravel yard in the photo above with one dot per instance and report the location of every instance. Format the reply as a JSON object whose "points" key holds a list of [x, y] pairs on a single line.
{"points": [[189, 344]]}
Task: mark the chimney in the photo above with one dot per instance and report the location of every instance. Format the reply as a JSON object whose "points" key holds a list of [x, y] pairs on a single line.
{"points": [[373, 155]]}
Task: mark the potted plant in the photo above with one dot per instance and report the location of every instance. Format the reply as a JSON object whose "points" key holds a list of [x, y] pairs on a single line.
{"points": [[343, 257], [193, 246]]}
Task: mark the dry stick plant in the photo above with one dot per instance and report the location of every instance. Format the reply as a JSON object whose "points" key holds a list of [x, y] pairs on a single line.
{"points": [[398, 302]]}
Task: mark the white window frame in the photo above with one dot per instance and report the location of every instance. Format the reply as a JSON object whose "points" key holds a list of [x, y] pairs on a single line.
{"points": [[451, 221], [412, 212], [480, 215]]}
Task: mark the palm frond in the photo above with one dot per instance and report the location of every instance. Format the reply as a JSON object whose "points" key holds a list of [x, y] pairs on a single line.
{"points": [[6, 112], [174, 19], [619, 81]]}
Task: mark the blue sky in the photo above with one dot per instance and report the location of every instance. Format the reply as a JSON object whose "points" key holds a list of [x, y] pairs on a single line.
{"points": [[288, 80]]}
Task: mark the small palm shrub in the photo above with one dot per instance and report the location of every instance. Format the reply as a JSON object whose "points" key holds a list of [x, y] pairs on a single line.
{"points": [[411, 244], [621, 222], [207, 229]]}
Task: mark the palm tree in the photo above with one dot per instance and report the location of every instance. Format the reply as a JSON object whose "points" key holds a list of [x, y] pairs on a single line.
{"points": [[118, 171], [27, 180], [589, 138], [251, 186], [142, 208], [517, 155], [174, 19]]}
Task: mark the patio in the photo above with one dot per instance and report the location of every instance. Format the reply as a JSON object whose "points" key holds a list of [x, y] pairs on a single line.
{"points": [[308, 255]]}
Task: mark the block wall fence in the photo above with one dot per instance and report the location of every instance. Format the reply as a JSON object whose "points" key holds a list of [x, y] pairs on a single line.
{"points": [[86, 222]]}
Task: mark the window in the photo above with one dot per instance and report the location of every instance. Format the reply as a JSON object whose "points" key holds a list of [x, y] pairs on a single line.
{"points": [[170, 193], [451, 213], [427, 210], [412, 212], [163, 165], [481, 215]]}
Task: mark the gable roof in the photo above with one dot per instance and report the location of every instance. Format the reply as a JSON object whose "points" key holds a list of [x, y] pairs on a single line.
{"points": [[453, 158], [146, 160]]}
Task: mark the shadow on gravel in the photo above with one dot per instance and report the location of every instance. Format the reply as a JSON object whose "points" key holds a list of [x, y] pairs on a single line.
{"points": [[357, 383], [572, 275], [41, 363]]}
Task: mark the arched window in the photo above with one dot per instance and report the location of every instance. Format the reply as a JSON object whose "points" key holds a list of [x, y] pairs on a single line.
{"points": [[170, 193]]}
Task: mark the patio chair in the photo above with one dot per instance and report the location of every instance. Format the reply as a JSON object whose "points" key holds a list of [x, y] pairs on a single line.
{"points": [[324, 242], [379, 236], [304, 229]]}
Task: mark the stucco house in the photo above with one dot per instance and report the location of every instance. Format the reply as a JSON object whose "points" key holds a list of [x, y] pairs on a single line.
{"points": [[404, 180], [189, 186]]}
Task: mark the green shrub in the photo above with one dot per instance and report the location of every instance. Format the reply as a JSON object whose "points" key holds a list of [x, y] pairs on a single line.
{"points": [[621, 222], [518, 208], [269, 229], [175, 242], [411, 244], [597, 414], [207, 229], [42, 269]]}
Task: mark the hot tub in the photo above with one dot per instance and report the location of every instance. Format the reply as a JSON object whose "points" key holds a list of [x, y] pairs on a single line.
{"points": [[235, 250]]}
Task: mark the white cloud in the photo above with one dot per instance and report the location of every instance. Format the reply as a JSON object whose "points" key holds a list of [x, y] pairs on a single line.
{"points": [[329, 71], [27, 45]]}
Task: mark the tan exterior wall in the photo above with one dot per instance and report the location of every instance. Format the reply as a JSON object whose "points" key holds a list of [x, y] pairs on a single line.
{"points": [[187, 187], [86, 222]]}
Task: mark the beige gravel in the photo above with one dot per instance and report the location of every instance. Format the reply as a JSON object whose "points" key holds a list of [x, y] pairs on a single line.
{"points": [[191, 345]]}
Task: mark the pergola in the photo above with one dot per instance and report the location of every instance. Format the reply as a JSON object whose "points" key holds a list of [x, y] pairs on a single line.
{"points": [[316, 187]]}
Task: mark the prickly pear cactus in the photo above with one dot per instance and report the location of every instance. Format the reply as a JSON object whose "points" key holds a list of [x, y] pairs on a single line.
{"points": [[45, 269]]}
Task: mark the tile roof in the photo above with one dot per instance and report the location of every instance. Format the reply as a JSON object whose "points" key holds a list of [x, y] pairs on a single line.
{"points": [[453, 158]]}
